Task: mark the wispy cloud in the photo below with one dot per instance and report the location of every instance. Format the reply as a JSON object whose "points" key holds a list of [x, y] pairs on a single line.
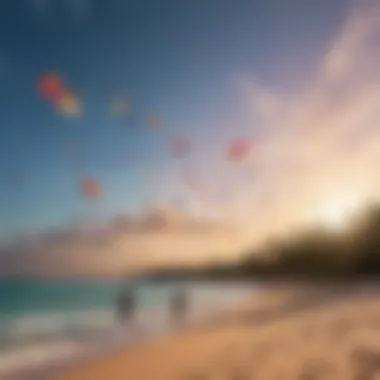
{"points": [[319, 144], [127, 242], [324, 140]]}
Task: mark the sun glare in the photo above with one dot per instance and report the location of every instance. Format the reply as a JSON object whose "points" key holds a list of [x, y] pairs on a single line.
{"points": [[335, 212]]}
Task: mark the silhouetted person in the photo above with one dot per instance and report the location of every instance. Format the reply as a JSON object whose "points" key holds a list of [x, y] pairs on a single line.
{"points": [[125, 306], [179, 306]]}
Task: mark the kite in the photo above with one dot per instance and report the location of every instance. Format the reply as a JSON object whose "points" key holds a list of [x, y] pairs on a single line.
{"points": [[238, 150], [69, 104], [180, 146], [91, 188], [50, 87]]}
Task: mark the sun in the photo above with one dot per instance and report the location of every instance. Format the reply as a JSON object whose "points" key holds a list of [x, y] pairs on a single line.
{"points": [[335, 213]]}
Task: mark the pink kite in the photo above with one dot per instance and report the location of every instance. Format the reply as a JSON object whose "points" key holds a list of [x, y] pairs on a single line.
{"points": [[91, 188], [238, 149]]}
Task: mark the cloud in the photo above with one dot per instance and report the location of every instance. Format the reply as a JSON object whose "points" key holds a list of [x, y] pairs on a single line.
{"points": [[323, 140], [162, 234], [319, 143]]}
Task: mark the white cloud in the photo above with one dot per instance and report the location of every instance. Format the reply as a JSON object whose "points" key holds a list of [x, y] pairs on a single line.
{"points": [[320, 142], [324, 139], [128, 242]]}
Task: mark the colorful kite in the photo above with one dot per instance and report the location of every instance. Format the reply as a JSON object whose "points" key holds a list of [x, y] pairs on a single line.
{"points": [[91, 188], [238, 149], [69, 104], [50, 87]]}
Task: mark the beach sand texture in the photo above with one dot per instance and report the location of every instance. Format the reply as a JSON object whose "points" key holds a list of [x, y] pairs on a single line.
{"points": [[309, 336]]}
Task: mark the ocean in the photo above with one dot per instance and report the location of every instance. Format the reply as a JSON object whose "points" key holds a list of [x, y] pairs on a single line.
{"points": [[42, 322]]}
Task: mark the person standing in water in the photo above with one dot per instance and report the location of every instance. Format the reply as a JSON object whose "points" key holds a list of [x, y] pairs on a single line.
{"points": [[179, 306], [126, 306]]}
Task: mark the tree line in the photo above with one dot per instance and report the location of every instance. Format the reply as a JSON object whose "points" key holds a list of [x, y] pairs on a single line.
{"points": [[317, 253]]}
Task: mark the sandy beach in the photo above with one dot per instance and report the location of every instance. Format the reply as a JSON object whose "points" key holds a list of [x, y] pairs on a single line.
{"points": [[313, 333]]}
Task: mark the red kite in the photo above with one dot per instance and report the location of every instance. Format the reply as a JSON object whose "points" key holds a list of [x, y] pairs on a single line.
{"points": [[239, 149], [50, 87], [91, 188]]}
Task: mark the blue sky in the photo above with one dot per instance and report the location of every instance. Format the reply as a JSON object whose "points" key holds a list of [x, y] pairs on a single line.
{"points": [[180, 58]]}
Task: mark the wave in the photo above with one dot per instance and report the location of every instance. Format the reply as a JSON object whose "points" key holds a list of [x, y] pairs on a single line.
{"points": [[32, 341], [36, 341], [35, 356], [16, 330]]}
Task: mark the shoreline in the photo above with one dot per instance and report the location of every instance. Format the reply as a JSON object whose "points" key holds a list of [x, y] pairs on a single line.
{"points": [[103, 349], [307, 328], [271, 305]]}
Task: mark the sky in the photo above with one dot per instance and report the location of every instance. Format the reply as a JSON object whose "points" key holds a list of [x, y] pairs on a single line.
{"points": [[297, 79]]}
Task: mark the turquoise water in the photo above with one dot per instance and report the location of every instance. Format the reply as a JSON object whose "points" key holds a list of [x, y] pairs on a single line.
{"points": [[19, 298], [24, 297], [54, 319]]}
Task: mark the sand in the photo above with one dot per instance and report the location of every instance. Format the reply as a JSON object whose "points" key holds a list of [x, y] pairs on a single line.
{"points": [[319, 333]]}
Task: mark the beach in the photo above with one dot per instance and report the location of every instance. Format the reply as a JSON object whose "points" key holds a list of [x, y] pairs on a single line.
{"points": [[59, 323], [332, 332]]}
